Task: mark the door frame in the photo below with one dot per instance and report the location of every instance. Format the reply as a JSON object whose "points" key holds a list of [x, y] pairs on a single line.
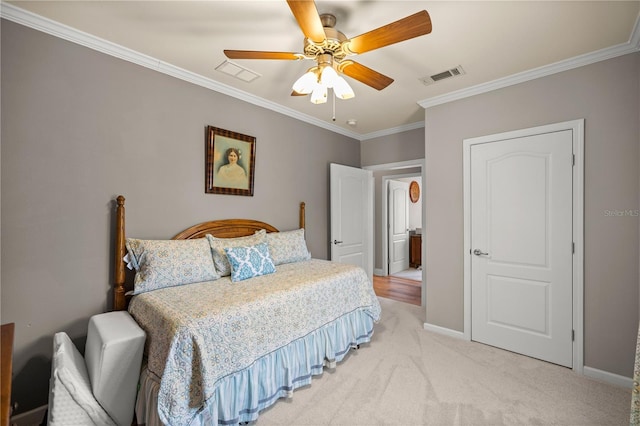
{"points": [[385, 245], [577, 128]]}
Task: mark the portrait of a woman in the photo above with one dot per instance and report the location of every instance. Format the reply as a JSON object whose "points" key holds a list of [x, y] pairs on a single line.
{"points": [[230, 162], [232, 173]]}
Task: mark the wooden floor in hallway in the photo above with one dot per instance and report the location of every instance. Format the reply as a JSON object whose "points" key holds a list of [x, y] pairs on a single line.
{"points": [[400, 289]]}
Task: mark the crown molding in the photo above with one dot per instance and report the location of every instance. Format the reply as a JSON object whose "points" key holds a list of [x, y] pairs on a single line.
{"points": [[29, 19], [633, 45], [392, 130], [23, 17]]}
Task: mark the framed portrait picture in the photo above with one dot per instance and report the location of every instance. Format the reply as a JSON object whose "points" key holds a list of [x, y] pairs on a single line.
{"points": [[230, 162]]}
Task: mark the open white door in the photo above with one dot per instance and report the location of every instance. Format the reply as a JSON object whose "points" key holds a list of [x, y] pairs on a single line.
{"points": [[352, 216], [398, 226]]}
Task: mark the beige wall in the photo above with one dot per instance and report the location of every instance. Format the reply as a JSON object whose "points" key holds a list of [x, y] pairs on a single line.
{"points": [[79, 128], [607, 96]]}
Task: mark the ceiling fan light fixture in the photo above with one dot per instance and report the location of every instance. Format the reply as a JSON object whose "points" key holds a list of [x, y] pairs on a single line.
{"points": [[342, 89], [306, 83], [329, 47], [319, 94], [328, 76]]}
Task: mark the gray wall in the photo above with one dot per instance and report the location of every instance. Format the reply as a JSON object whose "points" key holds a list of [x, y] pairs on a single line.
{"points": [[607, 96], [403, 146], [79, 128]]}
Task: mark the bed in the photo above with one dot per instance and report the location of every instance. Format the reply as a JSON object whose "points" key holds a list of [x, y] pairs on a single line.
{"points": [[226, 342]]}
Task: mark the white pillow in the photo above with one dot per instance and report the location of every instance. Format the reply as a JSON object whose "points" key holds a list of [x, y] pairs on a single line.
{"points": [[219, 244], [168, 263], [288, 246]]}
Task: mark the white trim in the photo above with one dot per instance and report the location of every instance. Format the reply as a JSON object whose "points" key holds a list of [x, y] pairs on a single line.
{"points": [[612, 379], [392, 131], [577, 128], [445, 331], [633, 45], [397, 165]]}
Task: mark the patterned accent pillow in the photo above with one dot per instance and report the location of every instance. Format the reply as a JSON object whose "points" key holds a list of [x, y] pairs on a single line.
{"points": [[249, 262], [168, 263], [288, 246], [218, 245]]}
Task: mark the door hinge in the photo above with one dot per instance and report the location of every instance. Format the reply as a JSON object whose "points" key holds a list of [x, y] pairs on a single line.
{"points": [[573, 160], [573, 247], [573, 335]]}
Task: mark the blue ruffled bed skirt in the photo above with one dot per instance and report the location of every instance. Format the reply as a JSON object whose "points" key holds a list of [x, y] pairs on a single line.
{"points": [[241, 396]]}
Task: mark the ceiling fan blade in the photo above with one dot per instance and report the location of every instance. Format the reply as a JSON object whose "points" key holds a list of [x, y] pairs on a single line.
{"points": [[306, 14], [254, 54], [364, 74], [406, 28]]}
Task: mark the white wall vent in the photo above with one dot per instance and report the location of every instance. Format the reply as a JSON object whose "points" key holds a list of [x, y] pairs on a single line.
{"points": [[453, 72]]}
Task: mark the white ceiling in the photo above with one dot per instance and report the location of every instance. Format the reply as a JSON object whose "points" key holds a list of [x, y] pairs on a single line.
{"points": [[496, 43]]}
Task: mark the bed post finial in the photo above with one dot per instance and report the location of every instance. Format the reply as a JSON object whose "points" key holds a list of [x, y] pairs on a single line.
{"points": [[302, 214], [119, 301]]}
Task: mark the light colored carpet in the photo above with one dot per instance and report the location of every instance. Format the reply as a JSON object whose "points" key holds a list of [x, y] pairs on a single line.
{"points": [[409, 376], [411, 274]]}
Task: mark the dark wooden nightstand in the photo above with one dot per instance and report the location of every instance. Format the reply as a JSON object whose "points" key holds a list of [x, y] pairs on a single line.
{"points": [[415, 250]]}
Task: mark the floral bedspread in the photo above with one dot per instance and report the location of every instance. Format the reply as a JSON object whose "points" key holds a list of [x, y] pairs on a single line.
{"points": [[200, 333]]}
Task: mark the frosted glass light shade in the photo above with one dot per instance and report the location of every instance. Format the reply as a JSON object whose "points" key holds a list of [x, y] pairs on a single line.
{"points": [[318, 80], [306, 83], [342, 89], [319, 94], [328, 77]]}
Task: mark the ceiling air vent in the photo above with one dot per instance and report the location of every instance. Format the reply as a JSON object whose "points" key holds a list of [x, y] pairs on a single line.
{"points": [[453, 72], [237, 71]]}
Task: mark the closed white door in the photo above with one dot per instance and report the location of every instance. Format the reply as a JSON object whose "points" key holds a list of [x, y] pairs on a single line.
{"points": [[398, 226], [521, 245], [352, 216]]}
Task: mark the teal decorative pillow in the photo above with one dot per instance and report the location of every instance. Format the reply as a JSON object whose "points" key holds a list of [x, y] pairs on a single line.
{"points": [[249, 262], [168, 263], [288, 246], [218, 245]]}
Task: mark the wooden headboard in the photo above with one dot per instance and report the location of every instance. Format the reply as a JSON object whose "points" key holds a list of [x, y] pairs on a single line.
{"points": [[226, 228]]}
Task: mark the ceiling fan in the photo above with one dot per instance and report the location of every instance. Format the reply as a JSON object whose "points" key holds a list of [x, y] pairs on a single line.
{"points": [[330, 49]]}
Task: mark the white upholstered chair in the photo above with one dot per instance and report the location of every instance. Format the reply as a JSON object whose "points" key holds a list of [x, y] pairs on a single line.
{"points": [[100, 388]]}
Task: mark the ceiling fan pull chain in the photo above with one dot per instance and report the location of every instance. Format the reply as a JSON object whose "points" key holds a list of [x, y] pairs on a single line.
{"points": [[334, 105]]}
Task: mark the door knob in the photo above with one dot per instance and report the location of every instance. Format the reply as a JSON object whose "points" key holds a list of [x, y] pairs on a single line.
{"points": [[479, 252], [337, 242]]}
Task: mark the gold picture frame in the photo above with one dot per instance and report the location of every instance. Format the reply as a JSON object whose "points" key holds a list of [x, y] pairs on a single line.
{"points": [[229, 162]]}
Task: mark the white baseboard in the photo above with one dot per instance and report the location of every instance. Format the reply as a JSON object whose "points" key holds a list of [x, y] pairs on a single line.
{"points": [[377, 271], [604, 376], [442, 330], [33, 417]]}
